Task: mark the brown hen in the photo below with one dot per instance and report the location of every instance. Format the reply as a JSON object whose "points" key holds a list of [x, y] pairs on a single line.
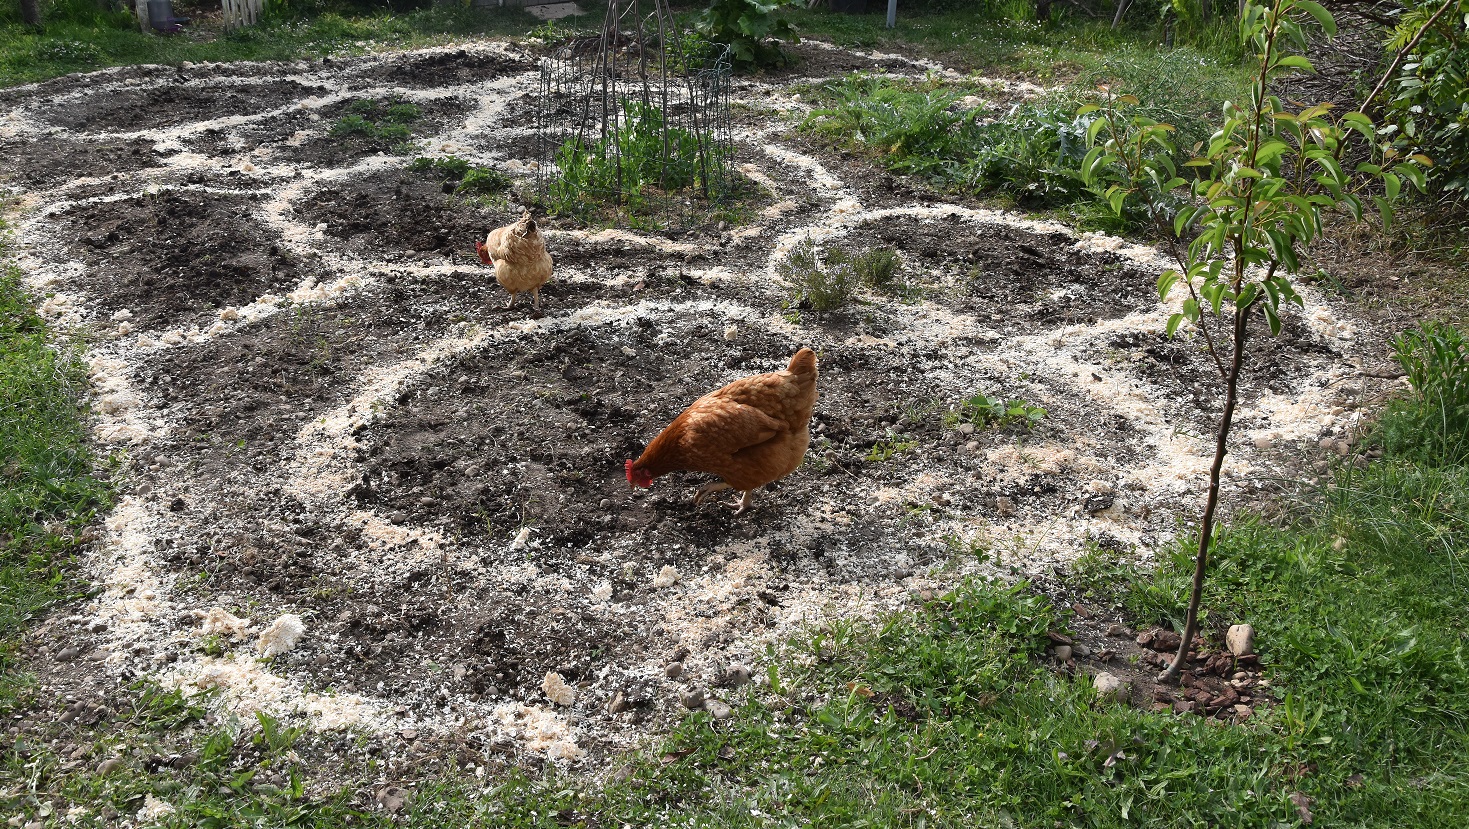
{"points": [[518, 252], [749, 433]]}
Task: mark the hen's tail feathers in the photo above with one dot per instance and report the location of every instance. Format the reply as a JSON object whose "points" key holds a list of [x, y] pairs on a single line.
{"points": [[803, 363]]}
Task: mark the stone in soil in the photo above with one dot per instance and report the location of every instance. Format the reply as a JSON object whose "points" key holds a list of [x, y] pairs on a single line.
{"points": [[1240, 639]]}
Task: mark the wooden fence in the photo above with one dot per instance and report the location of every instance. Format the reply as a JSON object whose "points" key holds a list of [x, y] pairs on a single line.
{"points": [[239, 13]]}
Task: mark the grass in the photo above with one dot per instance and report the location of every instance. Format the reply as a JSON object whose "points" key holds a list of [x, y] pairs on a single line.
{"points": [[48, 491], [1025, 154], [79, 41]]}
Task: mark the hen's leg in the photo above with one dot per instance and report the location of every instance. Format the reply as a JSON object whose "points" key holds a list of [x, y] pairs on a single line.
{"points": [[511, 303], [744, 503], [706, 489], [536, 295]]}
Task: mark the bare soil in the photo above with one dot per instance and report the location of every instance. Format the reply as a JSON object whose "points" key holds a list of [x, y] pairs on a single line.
{"points": [[325, 409]]}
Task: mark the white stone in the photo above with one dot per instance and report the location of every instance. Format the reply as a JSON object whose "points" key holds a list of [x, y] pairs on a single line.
{"points": [[557, 690], [1109, 687], [667, 577], [1240, 639], [281, 636]]}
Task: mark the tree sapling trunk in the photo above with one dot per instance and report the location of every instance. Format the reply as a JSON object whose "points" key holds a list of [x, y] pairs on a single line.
{"points": [[1211, 502]]}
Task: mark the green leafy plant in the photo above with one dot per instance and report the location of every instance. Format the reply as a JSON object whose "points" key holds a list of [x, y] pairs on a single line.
{"points": [[647, 160], [884, 450], [823, 288], [983, 411], [1428, 108], [748, 28], [1264, 183], [1433, 423], [386, 123], [468, 179]]}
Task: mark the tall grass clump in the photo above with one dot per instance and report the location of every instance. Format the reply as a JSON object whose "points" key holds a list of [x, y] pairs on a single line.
{"points": [[1431, 424]]}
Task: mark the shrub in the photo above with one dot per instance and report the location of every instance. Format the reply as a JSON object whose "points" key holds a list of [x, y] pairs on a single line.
{"points": [[1429, 107], [747, 27], [824, 289], [878, 269]]}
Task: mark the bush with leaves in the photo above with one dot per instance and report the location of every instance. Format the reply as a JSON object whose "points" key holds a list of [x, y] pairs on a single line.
{"points": [[1428, 91], [1262, 189], [748, 28], [821, 287]]}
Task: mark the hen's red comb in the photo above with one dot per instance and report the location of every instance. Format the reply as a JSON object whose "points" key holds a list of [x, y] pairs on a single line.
{"points": [[484, 255]]}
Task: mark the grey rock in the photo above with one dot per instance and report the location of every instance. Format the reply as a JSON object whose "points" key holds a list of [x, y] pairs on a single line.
{"points": [[673, 670], [736, 676], [398, 517], [692, 699], [1063, 653], [109, 765], [67, 654], [1082, 650], [718, 710]]}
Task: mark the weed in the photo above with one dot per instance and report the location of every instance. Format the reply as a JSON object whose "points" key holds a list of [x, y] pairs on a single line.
{"points": [[385, 123], [884, 450], [822, 289], [1434, 420], [984, 412], [467, 179]]}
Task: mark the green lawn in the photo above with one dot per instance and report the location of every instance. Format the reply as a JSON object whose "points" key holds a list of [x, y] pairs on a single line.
{"points": [[48, 488]]}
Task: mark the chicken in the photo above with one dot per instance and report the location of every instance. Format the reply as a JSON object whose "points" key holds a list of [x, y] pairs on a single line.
{"points": [[749, 433], [518, 253]]}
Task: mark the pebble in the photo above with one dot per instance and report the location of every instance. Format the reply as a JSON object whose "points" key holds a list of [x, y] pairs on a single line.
{"points": [[718, 710], [617, 704], [67, 654], [1109, 687], [1116, 629], [731, 333], [398, 517], [1263, 442], [966, 428], [736, 676], [1063, 653], [109, 765], [1082, 651], [971, 446], [1243, 711], [673, 670], [1240, 639], [692, 699]]}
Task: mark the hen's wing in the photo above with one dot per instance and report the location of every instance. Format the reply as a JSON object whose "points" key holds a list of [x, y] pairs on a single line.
{"points": [[725, 426]]}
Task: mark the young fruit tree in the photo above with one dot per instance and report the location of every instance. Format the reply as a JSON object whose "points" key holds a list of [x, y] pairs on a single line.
{"points": [[1261, 191]]}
